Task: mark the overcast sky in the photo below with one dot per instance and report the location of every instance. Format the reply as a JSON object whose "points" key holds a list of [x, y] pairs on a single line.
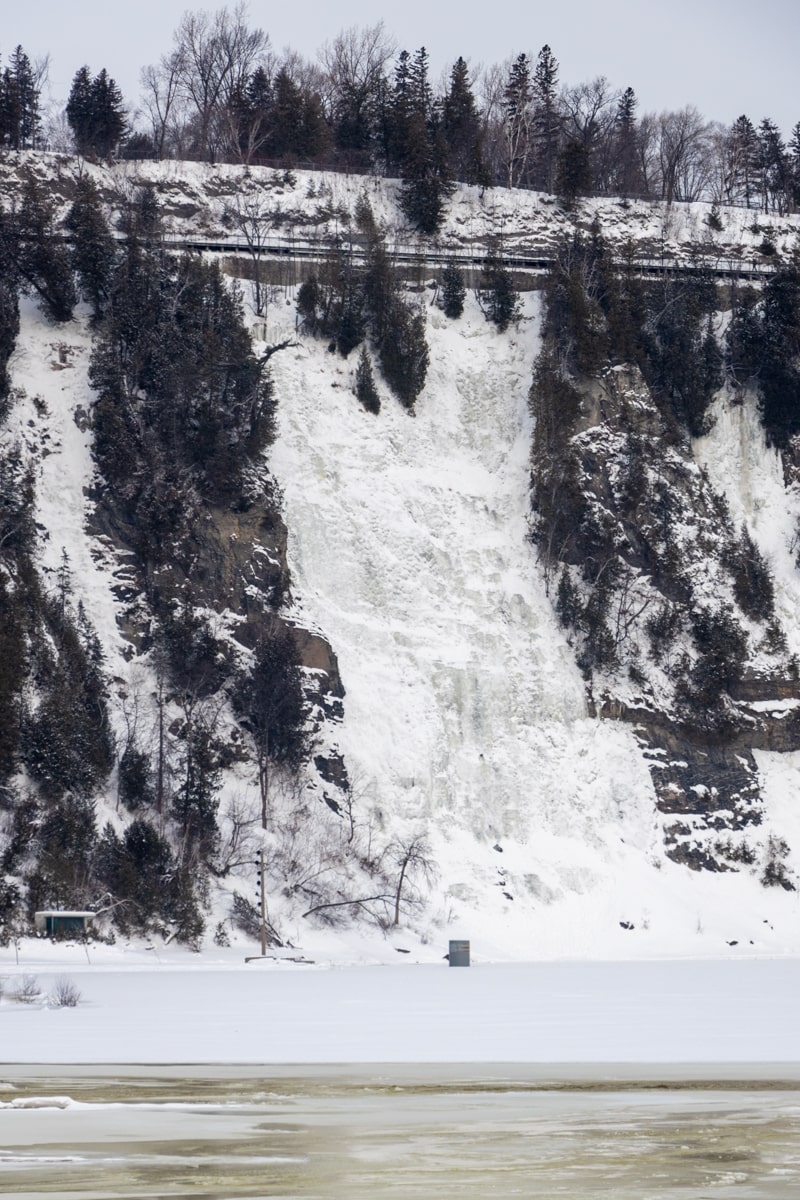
{"points": [[725, 56]]}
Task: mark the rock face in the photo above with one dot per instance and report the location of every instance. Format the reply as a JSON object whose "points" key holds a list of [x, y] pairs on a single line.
{"points": [[235, 566], [669, 638]]}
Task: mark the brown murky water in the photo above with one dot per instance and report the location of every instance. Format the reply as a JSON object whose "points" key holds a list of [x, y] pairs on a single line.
{"points": [[394, 1133]]}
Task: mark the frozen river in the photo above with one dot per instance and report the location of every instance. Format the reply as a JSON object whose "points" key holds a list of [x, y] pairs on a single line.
{"points": [[634, 1133]]}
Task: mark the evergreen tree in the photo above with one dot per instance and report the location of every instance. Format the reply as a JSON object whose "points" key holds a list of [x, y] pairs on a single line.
{"points": [[66, 739], [794, 167], [349, 326], [79, 110], [453, 291], [286, 115], [136, 789], [752, 583], [682, 362], [764, 347], [404, 353], [397, 114], [96, 113], [67, 838], [27, 98], [178, 385], [419, 88], [364, 387], [195, 802], [12, 674], [498, 297], [379, 289], [19, 103], [774, 170], [309, 304], [573, 172], [269, 698], [461, 127], [9, 328], [517, 121], [546, 127], [33, 255], [426, 177], [629, 180], [744, 154], [140, 872], [92, 243]]}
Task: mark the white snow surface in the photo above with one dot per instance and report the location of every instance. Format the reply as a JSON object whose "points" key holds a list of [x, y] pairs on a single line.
{"points": [[173, 1012], [464, 711]]}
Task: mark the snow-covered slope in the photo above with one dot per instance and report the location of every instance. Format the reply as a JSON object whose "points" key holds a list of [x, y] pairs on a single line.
{"points": [[465, 721], [464, 712]]}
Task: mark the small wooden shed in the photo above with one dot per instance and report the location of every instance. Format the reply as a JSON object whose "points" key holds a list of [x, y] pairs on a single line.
{"points": [[61, 922]]}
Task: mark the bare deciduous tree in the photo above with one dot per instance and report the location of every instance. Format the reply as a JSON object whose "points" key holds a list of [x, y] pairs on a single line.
{"points": [[254, 220], [683, 144], [162, 96], [353, 65], [412, 856], [215, 53], [589, 111]]}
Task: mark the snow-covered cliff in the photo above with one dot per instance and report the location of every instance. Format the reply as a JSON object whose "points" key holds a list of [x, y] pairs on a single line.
{"points": [[464, 728]]}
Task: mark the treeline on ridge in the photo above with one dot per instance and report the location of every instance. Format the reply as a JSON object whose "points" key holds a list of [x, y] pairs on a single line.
{"points": [[223, 94]]}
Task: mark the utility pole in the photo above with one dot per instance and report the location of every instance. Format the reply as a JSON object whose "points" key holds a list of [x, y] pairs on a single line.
{"points": [[263, 783], [160, 772], [261, 873]]}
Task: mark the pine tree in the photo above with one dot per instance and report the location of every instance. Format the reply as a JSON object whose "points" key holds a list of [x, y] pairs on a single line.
{"points": [[287, 117], [32, 255], [774, 169], [453, 291], [270, 700], [517, 121], [79, 110], [426, 177], [398, 114], [404, 353], [794, 166], [546, 120], [96, 114], [28, 97], [744, 159], [9, 328], [419, 88], [92, 243], [628, 174], [364, 387], [461, 126], [19, 103], [497, 295], [379, 289], [195, 802], [573, 173], [12, 674]]}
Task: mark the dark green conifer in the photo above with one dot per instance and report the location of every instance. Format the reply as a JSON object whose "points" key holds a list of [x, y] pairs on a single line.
{"points": [[453, 291], [497, 295], [365, 383], [92, 244]]}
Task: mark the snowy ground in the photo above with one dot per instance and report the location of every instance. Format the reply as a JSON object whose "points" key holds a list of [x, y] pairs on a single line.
{"points": [[186, 1010]]}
